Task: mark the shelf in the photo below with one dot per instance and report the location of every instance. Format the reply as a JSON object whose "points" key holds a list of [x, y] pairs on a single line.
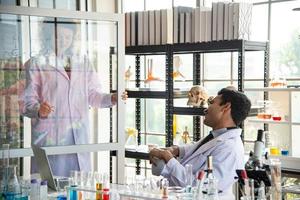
{"points": [[188, 111], [266, 121], [155, 94], [133, 154], [203, 47], [146, 50], [147, 94], [269, 89]]}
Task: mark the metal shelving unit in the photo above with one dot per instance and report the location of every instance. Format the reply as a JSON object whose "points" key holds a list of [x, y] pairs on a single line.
{"points": [[240, 46]]}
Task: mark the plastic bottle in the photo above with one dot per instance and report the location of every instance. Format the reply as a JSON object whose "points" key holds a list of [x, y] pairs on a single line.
{"points": [[34, 190], [72, 193], [105, 194], [210, 182], [43, 190]]}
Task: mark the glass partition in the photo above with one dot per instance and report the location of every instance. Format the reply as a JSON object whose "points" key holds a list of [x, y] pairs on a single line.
{"points": [[59, 83]]}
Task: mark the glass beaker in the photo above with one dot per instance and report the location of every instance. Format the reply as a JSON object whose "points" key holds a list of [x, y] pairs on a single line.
{"points": [[266, 110], [10, 184]]}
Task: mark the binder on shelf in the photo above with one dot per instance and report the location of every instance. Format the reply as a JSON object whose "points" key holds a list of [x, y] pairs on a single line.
{"points": [[220, 21], [230, 21], [157, 27], [226, 20], [178, 26], [127, 29], [140, 28], [188, 28], [182, 25], [151, 27], [166, 26], [196, 24], [203, 26], [208, 25], [214, 21], [146, 28], [132, 29], [203, 21]]}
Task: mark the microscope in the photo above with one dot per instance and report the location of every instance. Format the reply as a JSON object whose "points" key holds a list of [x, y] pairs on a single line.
{"points": [[257, 169]]}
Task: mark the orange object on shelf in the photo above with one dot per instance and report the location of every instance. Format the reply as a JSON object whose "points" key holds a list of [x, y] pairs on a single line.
{"points": [[264, 116], [150, 76]]}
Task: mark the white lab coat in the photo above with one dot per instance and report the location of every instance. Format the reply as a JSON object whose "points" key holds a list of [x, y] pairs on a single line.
{"points": [[228, 155], [68, 123]]}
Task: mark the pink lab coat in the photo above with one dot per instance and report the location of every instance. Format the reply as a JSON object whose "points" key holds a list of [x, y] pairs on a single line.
{"points": [[68, 124]]}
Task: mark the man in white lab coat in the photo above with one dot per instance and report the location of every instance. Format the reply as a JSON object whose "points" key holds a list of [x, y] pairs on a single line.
{"points": [[224, 115]]}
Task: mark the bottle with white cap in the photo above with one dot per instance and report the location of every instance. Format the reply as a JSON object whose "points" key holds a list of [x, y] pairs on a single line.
{"points": [[34, 190], [44, 189]]}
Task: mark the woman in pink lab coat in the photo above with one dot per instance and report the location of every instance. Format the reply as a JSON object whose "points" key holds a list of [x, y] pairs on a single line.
{"points": [[59, 90]]}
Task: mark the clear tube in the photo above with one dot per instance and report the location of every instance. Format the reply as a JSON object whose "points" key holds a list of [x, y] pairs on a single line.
{"points": [[189, 177]]}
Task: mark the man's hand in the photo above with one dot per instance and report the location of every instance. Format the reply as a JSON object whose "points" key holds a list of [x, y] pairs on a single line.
{"points": [[45, 109], [114, 97], [174, 150], [161, 154]]}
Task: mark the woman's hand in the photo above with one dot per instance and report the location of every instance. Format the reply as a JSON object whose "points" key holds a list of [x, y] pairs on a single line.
{"points": [[45, 110], [114, 97]]}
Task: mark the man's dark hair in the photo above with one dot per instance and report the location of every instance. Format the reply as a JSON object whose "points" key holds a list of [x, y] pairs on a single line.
{"points": [[240, 104]]}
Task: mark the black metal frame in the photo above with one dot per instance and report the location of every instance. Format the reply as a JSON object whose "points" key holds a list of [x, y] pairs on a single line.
{"points": [[240, 46]]}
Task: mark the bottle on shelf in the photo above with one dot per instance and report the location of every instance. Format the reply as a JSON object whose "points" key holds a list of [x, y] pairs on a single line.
{"points": [[210, 191], [44, 189]]}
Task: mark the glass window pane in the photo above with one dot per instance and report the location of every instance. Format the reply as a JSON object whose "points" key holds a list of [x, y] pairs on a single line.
{"points": [[155, 115], [259, 29], [133, 5], [295, 107], [254, 65], [8, 2], [285, 53], [12, 80], [214, 86], [157, 140], [67, 4], [182, 122], [295, 141], [217, 62], [158, 4]]}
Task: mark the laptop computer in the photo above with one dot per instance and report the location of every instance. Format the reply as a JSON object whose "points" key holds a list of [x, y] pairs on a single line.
{"points": [[44, 167]]}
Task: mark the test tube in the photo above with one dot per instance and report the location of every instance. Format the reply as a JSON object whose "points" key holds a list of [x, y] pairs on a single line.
{"points": [[189, 177]]}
